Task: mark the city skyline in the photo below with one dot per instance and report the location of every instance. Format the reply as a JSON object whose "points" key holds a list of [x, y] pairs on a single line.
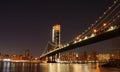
{"points": [[29, 25]]}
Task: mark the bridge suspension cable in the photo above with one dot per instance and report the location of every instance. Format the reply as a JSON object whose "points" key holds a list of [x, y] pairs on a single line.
{"points": [[105, 15], [45, 50], [113, 19], [102, 18]]}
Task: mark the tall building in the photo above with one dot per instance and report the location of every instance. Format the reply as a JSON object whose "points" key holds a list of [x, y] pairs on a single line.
{"points": [[56, 35], [27, 53]]}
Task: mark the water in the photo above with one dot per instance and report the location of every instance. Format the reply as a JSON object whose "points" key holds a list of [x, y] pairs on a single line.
{"points": [[53, 67]]}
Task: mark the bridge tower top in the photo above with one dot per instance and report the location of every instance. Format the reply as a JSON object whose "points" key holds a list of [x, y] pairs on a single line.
{"points": [[56, 35]]}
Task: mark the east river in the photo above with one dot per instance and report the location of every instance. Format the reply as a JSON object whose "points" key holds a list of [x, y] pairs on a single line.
{"points": [[53, 67]]}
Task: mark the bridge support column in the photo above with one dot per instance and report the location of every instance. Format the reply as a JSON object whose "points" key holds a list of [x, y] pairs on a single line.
{"points": [[57, 57], [51, 59]]}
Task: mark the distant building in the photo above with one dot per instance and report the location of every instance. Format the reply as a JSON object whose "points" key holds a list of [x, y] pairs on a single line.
{"points": [[93, 56], [68, 56], [83, 56], [115, 54], [103, 56], [27, 53]]}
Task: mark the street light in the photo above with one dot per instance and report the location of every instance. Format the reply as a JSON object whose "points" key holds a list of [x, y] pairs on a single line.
{"points": [[94, 30], [78, 37], [105, 24]]}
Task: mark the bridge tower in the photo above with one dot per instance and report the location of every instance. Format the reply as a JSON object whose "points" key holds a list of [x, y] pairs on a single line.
{"points": [[54, 44], [56, 39], [56, 35]]}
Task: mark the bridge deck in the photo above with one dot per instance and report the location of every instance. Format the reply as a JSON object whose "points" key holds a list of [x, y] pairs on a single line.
{"points": [[97, 38]]}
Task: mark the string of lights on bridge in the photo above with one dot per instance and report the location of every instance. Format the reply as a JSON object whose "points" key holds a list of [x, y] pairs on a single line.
{"points": [[101, 21]]}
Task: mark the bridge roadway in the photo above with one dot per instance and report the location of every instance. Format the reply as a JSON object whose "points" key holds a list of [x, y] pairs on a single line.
{"points": [[97, 38]]}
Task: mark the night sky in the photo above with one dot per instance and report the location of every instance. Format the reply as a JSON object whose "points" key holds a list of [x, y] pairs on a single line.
{"points": [[28, 24]]}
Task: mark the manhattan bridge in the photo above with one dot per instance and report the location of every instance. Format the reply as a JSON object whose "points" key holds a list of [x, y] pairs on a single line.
{"points": [[107, 26]]}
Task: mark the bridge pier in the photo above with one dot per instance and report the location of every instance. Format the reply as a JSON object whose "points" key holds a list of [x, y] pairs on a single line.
{"points": [[48, 59], [51, 59], [58, 57]]}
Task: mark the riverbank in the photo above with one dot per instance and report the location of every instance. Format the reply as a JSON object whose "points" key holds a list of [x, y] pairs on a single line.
{"points": [[112, 63]]}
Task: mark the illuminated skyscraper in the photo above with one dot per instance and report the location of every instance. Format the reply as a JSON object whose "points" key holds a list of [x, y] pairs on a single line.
{"points": [[56, 35]]}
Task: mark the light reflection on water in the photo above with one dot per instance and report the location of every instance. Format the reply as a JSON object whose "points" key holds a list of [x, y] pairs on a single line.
{"points": [[52, 67]]}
